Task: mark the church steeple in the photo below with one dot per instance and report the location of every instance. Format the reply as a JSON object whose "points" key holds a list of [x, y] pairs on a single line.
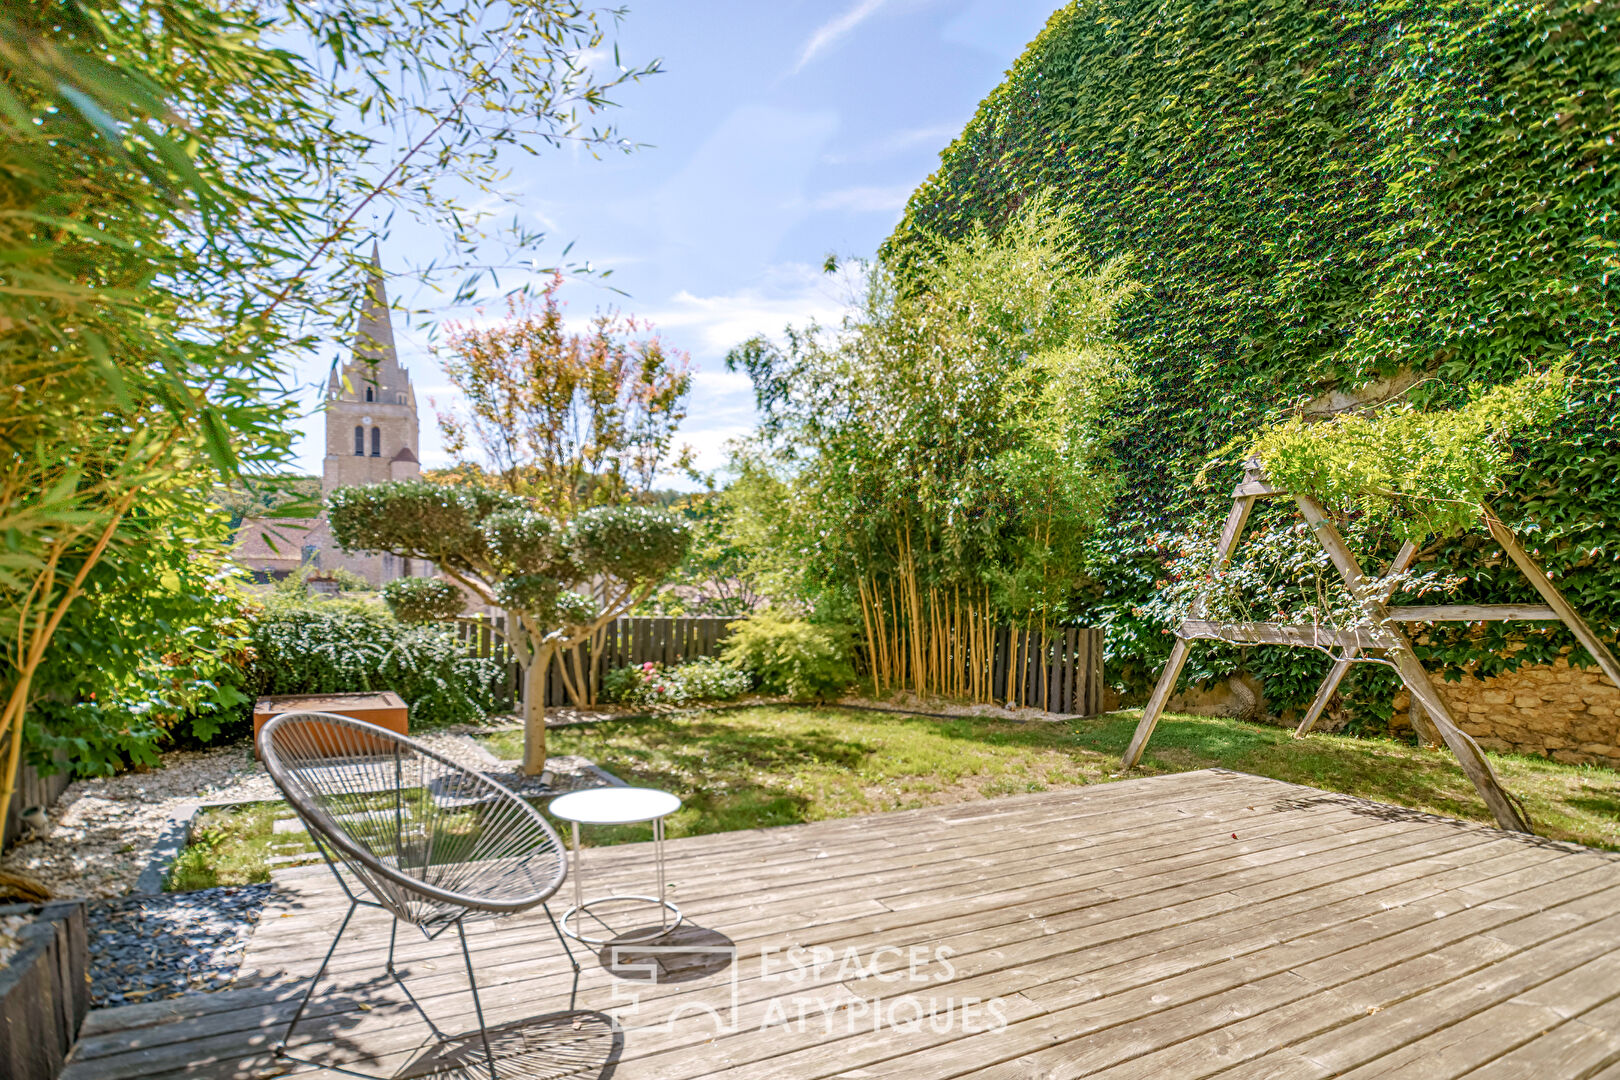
{"points": [[371, 422], [374, 336]]}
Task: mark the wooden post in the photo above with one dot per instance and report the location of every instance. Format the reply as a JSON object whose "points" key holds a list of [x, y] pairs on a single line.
{"points": [[1326, 691], [1235, 520], [1555, 599], [1418, 684], [1426, 731], [1330, 685]]}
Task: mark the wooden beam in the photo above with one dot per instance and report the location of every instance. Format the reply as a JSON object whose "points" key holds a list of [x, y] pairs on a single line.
{"points": [[1264, 633], [1155, 706], [1555, 599], [1254, 485], [1236, 519], [1402, 562], [1418, 683], [1325, 692], [1471, 612]]}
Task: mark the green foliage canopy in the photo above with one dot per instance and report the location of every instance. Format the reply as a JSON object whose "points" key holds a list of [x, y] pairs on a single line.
{"points": [[956, 428], [1426, 473], [423, 600], [1320, 198]]}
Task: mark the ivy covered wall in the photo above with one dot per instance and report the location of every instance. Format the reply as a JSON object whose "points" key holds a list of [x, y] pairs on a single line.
{"points": [[1319, 196]]}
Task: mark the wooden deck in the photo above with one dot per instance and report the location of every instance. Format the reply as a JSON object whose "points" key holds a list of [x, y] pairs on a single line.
{"points": [[1205, 924]]}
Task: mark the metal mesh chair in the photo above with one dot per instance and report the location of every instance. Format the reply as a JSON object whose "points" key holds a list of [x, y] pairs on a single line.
{"points": [[432, 842]]}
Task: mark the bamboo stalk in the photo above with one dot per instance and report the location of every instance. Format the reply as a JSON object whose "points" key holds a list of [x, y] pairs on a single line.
{"points": [[871, 642], [899, 671]]}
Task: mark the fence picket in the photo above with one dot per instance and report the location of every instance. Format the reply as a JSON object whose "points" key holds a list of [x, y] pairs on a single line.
{"points": [[1063, 669]]}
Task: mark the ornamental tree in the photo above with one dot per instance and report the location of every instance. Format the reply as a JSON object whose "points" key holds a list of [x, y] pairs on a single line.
{"points": [[557, 583]]}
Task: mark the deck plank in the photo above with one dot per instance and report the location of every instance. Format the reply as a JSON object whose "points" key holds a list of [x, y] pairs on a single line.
{"points": [[1198, 925]]}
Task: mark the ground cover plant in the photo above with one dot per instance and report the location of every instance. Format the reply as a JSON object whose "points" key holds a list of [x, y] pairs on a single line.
{"points": [[238, 846], [706, 679]]}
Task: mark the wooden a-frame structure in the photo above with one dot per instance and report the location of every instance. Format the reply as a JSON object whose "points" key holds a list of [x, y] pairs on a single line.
{"points": [[1381, 635]]}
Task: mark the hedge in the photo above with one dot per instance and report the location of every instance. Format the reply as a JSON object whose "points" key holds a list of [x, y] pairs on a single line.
{"points": [[1321, 196]]}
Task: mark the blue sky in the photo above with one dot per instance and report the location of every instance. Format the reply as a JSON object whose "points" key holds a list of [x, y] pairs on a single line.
{"points": [[778, 132]]}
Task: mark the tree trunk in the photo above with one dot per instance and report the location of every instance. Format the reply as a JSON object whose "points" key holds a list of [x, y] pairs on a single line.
{"points": [[534, 712]]}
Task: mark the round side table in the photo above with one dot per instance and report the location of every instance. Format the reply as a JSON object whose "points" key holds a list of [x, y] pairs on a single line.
{"points": [[617, 806]]}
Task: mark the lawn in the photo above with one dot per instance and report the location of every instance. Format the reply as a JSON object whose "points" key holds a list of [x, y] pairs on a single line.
{"points": [[745, 768], [748, 768], [237, 846]]}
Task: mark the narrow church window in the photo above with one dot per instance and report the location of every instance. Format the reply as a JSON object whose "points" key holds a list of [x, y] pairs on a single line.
{"points": [[400, 398], [376, 442], [359, 440], [371, 393]]}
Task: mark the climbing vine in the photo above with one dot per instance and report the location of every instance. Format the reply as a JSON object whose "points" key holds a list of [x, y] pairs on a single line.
{"points": [[1353, 199], [1422, 473]]}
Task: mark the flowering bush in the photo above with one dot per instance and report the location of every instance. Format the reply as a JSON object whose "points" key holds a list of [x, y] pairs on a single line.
{"points": [[707, 679], [339, 646]]}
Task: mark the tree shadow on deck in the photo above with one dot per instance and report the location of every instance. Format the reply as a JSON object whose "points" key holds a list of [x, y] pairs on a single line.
{"points": [[578, 1045]]}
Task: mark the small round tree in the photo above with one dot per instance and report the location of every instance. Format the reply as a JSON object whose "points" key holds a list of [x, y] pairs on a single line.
{"points": [[557, 583]]}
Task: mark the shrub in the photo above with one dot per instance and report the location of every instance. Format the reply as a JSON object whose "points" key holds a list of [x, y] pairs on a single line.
{"points": [[154, 655], [420, 600], [707, 679], [337, 646], [791, 656]]}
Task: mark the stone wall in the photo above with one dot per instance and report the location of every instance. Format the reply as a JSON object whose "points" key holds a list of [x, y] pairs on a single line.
{"points": [[1568, 714]]}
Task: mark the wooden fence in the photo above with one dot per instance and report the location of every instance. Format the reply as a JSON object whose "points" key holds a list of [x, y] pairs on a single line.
{"points": [[32, 790], [627, 642], [1061, 672]]}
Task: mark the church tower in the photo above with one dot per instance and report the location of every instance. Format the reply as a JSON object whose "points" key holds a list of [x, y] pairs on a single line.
{"points": [[371, 424]]}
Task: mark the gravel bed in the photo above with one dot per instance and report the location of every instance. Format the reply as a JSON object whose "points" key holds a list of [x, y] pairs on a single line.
{"points": [[103, 829], [145, 948], [10, 927]]}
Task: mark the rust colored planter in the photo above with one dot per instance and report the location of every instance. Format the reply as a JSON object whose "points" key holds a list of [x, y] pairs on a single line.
{"points": [[386, 710]]}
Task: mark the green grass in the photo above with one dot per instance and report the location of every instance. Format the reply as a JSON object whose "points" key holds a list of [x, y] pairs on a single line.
{"points": [[747, 768], [234, 846], [773, 766]]}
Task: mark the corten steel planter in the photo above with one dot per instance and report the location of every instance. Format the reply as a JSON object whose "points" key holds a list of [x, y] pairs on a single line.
{"points": [[44, 991], [386, 710]]}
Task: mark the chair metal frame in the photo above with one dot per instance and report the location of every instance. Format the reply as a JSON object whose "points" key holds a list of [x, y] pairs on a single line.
{"points": [[448, 907]]}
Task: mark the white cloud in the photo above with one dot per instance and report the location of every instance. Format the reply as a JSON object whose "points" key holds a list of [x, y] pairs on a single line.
{"points": [[794, 293], [829, 32], [865, 199]]}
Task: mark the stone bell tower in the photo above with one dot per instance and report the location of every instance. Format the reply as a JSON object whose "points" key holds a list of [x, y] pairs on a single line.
{"points": [[371, 424]]}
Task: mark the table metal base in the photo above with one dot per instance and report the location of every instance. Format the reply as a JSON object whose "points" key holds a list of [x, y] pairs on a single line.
{"points": [[649, 934], [582, 906]]}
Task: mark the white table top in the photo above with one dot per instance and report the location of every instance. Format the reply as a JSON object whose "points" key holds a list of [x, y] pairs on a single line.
{"points": [[614, 805]]}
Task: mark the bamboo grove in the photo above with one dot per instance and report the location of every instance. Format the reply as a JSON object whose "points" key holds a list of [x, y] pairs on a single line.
{"points": [[943, 455]]}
